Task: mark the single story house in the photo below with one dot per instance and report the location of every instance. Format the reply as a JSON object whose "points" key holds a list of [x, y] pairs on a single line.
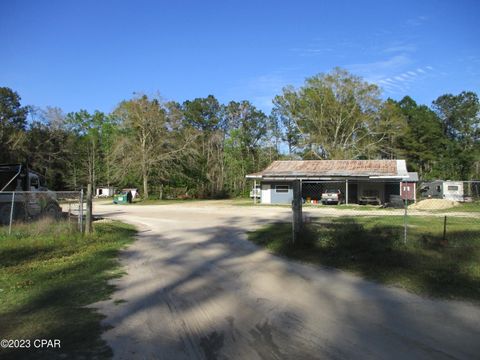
{"points": [[354, 178]]}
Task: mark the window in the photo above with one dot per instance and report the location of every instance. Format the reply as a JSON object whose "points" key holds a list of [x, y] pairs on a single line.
{"points": [[453, 188], [281, 188]]}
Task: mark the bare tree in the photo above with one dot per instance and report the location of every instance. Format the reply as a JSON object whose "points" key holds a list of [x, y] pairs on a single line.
{"points": [[149, 139]]}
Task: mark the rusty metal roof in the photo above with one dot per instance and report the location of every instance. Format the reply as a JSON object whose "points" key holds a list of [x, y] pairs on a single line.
{"points": [[347, 168]]}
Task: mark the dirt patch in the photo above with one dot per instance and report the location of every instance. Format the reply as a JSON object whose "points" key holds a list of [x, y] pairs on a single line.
{"points": [[435, 204]]}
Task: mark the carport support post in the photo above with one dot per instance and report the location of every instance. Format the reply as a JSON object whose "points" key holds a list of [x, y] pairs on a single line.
{"points": [[346, 191], [297, 210], [88, 217]]}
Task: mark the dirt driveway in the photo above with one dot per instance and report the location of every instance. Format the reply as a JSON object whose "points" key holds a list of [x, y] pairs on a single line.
{"points": [[197, 289]]}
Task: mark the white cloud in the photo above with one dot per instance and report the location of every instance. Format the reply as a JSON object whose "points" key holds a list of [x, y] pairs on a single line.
{"points": [[407, 77], [380, 69], [400, 48], [312, 51], [417, 21], [401, 83]]}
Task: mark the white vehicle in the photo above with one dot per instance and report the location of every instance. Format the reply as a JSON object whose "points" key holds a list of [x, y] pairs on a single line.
{"points": [[332, 196]]}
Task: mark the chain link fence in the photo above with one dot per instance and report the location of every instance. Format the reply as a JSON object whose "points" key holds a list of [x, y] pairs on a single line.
{"points": [[25, 206], [434, 213]]}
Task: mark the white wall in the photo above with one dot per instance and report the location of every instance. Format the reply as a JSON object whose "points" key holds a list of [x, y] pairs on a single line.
{"points": [[270, 196], [455, 195], [265, 194], [105, 191]]}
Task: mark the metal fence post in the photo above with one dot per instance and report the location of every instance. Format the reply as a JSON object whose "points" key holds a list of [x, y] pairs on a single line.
{"points": [[11, 214]]}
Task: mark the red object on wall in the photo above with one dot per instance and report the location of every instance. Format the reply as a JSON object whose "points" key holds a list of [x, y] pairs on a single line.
{"points": [[407, 190]]}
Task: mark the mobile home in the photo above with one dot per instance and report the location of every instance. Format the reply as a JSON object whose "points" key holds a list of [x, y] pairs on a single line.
{"points": [[440, 189]]}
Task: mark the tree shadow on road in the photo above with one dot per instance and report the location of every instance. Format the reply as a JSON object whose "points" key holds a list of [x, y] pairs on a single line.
{"points": [[225, 297]]}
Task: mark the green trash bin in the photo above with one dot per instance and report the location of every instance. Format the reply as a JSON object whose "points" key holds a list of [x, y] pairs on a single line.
{"points": [[120, 199]]}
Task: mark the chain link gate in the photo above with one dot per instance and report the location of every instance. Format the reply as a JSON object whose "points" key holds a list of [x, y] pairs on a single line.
{"points": [[22, 206]]}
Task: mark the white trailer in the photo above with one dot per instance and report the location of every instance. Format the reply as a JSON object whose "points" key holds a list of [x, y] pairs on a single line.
{"points": [[449, 190]]}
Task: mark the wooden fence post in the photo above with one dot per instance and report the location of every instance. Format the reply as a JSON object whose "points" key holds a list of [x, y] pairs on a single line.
{"points": [[297, 223], [88, 218]]}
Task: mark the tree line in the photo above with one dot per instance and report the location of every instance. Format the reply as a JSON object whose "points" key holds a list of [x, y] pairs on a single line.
{"points": [[202, 148]]}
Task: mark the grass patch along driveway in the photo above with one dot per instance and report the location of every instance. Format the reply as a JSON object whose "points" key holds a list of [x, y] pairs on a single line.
{"points": [[48, 274], [373, 247]]}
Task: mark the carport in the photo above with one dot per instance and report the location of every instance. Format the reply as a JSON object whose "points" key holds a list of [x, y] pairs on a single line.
{"points": [[354, 178]]}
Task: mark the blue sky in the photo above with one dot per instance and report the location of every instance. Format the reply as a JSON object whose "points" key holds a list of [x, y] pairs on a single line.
{"points": [[93, 54]]}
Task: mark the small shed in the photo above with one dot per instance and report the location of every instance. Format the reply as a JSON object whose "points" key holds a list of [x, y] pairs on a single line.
{"points": [[355, 179], [104, 191], [408, 187]]}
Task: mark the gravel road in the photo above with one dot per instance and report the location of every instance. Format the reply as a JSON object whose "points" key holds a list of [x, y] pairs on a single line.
{"points": [[195, 288]]}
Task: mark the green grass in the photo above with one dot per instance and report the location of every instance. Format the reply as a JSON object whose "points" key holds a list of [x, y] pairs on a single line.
{"points": [[373, 247], [353, 207], [48, 274]]}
